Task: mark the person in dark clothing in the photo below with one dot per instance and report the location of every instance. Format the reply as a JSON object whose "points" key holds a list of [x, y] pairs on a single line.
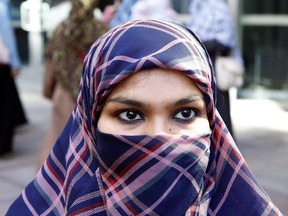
{"points": [[212, 21], [11, 111]]}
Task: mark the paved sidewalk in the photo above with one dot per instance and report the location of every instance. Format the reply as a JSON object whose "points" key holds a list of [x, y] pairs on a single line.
{"points": [[260, 127], [18, 169], [262, 136]]}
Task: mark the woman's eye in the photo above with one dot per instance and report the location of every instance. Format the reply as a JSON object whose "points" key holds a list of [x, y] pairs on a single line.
{"points": [[185, 115], [130, 116]]}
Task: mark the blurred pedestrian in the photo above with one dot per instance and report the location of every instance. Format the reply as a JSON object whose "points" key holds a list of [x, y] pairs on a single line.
{"points": [[145, 137], [144, 9], [109, 10], [11, 110], [64, 54], [123, 13], [213, 22], [151, 9]]}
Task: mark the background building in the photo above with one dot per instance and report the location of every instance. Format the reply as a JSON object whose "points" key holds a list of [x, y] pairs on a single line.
{"points": [[263, 31]]}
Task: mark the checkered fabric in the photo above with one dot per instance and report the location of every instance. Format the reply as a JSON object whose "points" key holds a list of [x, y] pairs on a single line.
{"points": [[93, 173]]}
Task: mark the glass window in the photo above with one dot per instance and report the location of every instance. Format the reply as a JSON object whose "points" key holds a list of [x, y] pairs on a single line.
{"points": [[265, 54], [265, 7]]}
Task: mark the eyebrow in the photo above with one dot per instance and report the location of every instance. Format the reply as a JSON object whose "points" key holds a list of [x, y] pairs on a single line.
{"points": [[189, 99], [182, 101], [125, 101]]}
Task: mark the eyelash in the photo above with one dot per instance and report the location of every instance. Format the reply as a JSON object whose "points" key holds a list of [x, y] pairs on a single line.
{"points": [[126, 111], [141, 118], [194, 110]]}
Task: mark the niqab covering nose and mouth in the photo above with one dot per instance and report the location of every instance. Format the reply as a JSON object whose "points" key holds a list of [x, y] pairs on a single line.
{"points": [[148, 175], [92, 173]]}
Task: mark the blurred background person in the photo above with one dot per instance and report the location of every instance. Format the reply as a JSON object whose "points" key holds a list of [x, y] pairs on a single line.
{"points": [[64, 55], [143, 9], [108, 9], [151, 9], [123, 13], [11, 110], [213, 22]]}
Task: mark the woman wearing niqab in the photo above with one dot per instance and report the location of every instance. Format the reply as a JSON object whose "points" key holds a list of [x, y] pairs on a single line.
{"points": [[90, 172]]}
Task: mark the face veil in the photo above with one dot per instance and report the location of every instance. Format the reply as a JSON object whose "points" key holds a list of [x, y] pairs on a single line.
{"points": [[147, 175], [86, 174]]}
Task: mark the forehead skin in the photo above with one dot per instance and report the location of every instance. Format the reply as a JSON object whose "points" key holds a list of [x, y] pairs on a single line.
{"points": [[165, 81]]}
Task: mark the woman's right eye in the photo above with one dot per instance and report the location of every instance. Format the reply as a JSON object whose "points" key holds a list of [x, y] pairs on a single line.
{"points": [[130, 116]]}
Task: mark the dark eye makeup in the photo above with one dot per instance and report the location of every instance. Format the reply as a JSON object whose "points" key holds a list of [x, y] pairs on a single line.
{"points": [[134, 116], [129, 116], [185, 114]]}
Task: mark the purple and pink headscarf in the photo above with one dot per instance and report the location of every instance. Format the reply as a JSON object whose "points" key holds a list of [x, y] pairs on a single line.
{"points": [[93, 173]]}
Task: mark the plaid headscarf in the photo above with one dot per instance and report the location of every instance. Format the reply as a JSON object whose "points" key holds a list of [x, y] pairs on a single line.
{"points": [[93, 173]]}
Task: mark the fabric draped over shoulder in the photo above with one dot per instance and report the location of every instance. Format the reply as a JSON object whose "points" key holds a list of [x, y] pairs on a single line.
{"points": [[75, 179]]}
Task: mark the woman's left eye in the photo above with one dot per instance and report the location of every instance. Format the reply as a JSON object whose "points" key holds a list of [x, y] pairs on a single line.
{"points": [[185, 114]]}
